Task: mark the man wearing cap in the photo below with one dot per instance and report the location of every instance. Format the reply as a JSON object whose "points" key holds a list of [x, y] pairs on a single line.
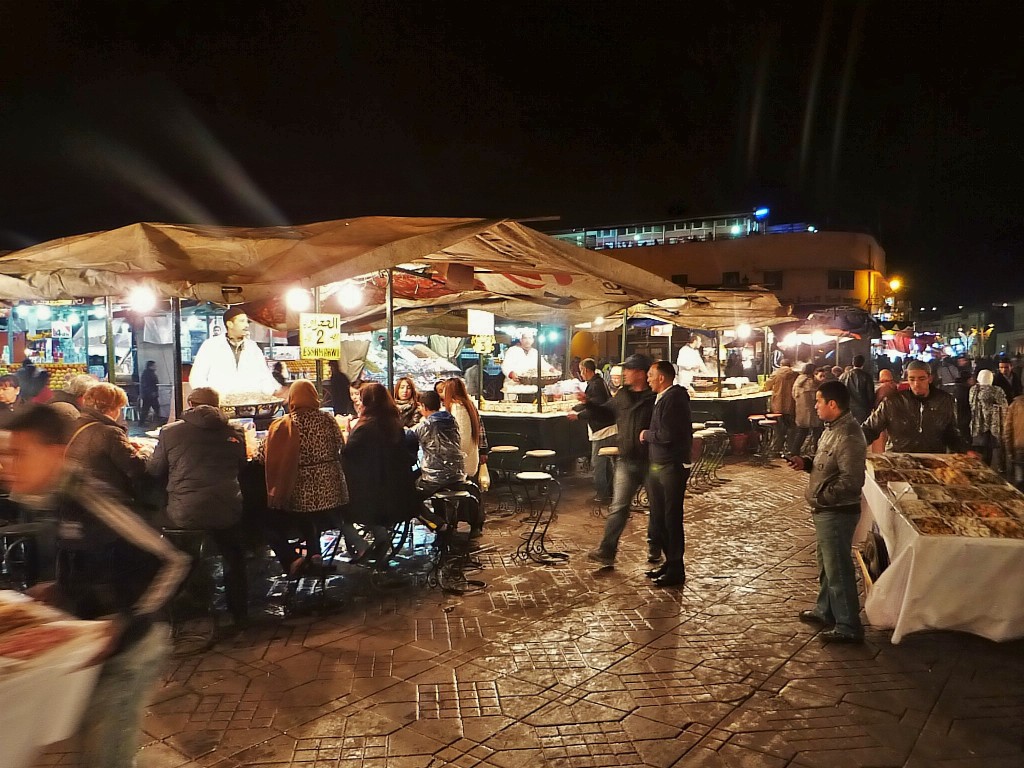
{"points": [[631, 407], [232, 363]]}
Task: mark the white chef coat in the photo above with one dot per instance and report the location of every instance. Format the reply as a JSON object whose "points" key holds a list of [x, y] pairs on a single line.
{"points": [[214, 366], [689, 363], [520, 361]]}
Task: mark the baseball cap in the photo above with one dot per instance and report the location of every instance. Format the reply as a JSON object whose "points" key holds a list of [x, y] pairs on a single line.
{"points": [[636, 363]]}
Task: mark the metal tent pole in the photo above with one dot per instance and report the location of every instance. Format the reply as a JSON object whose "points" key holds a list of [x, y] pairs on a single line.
{"points": [[391, 330], [718, 359], [319, 364], [625, 323], [178, 393], [111, 359], [540, 389]]}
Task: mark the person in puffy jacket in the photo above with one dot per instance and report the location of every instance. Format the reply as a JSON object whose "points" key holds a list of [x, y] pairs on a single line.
{"points": [[442, 460], [198, 459], [921, 419]]}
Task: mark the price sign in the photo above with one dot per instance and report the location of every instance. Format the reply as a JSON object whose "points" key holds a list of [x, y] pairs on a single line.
{"points": [[319, 336], [483, 344]]}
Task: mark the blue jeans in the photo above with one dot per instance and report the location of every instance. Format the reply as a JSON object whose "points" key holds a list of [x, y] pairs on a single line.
{"points": [[629, 474], [837, 593], [603, 466], [666, 489], [113, 718]]}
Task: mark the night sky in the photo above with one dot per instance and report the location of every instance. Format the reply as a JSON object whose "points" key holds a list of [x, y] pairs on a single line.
{"points": [[255, 113]]}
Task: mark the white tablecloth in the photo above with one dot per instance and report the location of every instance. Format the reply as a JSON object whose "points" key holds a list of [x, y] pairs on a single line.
{"points": [[44, 702], [943, 582]]}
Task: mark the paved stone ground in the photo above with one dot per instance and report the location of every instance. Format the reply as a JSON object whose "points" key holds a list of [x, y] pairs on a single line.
{"points": [[569, 666]]}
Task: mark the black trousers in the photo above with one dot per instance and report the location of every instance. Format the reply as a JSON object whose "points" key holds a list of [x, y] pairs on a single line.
{"points": [[666, 489], [147, 403]]}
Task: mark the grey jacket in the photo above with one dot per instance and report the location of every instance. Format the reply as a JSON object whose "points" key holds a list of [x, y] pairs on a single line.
{"points": [[837, 471], [199, 458]]}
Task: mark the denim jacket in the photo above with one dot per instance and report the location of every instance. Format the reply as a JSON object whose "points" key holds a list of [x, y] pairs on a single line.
{"points": [[837, 471]]}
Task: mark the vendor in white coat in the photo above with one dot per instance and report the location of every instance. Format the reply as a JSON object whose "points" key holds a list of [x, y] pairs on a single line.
{"points": [[520, 360], [232, 363], [690, 362]]}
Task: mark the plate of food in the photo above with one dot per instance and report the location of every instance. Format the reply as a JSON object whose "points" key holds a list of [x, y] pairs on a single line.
{"points": [[933, 526], [950, 476], [971, 527], [1005, 528], [931, 493]]}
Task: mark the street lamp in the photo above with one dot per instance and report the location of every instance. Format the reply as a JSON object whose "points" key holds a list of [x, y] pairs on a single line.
{"points": [[895, 284]]}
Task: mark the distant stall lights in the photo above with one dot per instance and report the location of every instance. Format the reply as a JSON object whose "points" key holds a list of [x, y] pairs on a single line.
{"points": [[43, 312], [743, 330]]}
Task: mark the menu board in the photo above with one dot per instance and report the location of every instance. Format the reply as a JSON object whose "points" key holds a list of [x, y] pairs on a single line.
{"points": [[950, 495]]}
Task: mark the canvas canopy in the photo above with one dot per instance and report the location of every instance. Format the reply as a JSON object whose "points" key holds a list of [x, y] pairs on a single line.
{"points": [[236, 265]]}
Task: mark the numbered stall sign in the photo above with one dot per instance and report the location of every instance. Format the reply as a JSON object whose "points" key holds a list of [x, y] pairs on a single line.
{"points": [[320, 336]]}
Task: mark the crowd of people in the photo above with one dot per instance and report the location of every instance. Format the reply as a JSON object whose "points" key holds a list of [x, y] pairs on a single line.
{"points": [[104, 510]]}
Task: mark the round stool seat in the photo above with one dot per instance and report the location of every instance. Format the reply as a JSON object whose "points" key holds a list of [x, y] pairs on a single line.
{"points": [[451, 494], [540, 453], [767, 423], [533, 477], [504, 449], [774, 415], [609, 451], [715, 423], [697, 425], [755, 416], [702, 433], [717, 430]]}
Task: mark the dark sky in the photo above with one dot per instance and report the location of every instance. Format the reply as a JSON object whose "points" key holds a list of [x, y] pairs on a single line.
{"points": [[251, 113]]}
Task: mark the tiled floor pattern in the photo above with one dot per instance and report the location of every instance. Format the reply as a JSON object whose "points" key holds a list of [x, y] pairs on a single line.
{"points": [[571, 666]]}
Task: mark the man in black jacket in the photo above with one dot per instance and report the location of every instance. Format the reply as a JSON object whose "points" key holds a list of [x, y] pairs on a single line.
{"points": [[198, 459], [631, 407], [600, 428], [670, 438]]}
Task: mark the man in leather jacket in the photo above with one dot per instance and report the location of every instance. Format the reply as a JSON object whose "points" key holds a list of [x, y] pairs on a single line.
{"points": [[921, 419]]}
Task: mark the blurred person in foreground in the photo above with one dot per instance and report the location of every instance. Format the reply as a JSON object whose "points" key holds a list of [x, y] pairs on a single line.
{"points": [[111, 565], [920, 419], [887, 386], [197, 459], [833, 491]]}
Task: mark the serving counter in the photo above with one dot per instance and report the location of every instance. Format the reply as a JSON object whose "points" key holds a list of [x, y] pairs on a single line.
{"points": [[552, 430], [954, 531], [733, 409]]}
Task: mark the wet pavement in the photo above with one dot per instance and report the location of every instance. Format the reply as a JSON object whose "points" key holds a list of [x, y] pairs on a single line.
{"points": [[570, 666]]}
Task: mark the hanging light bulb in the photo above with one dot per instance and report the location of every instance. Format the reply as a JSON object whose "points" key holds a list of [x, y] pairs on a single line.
{"points": [[141, 299], [743, 330], [74, 318], [43, 312], [298, 300], [350, 295]]}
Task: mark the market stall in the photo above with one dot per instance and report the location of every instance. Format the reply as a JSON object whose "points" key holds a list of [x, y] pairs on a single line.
{"points": [[954, 530]]}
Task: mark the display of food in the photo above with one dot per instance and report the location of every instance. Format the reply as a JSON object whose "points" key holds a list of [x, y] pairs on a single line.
{"points": [[950, 495], [59, 372], [247, 399], [30, 630]]}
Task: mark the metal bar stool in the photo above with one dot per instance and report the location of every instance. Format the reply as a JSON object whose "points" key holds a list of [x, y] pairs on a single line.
{"points": [[543, 511], [499, 462], [600, 510], [778, 447], [536, 460], [719, 444], [448, 570], [757, 455], [698, 454]]}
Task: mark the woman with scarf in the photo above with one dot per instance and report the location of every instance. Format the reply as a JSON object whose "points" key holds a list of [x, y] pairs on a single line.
{"points": [[988, 407], [305, 481], [408, 402]]}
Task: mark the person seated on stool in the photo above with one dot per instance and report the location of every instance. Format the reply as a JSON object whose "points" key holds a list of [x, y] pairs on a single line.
{"points": [[198, 459], [442, 461]]}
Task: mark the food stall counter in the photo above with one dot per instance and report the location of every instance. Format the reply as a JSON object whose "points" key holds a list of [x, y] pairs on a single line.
{"points": [[954, 530]]}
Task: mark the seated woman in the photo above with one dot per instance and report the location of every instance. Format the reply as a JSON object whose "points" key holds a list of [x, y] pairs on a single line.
{"points": [[408, 402], [99, 443], [473, 439], [378, 461], [305, 481]]}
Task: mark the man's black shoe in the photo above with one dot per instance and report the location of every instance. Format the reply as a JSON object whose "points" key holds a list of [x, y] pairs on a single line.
{"points": [[810, 617], [670, 580], [834, 636], [655, 573], [654, 557]]}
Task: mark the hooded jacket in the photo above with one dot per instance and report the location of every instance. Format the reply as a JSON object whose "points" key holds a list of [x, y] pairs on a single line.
{"points": [[199, 458], [442, 460], [917, 424], [781, 384], [837, 469]]}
